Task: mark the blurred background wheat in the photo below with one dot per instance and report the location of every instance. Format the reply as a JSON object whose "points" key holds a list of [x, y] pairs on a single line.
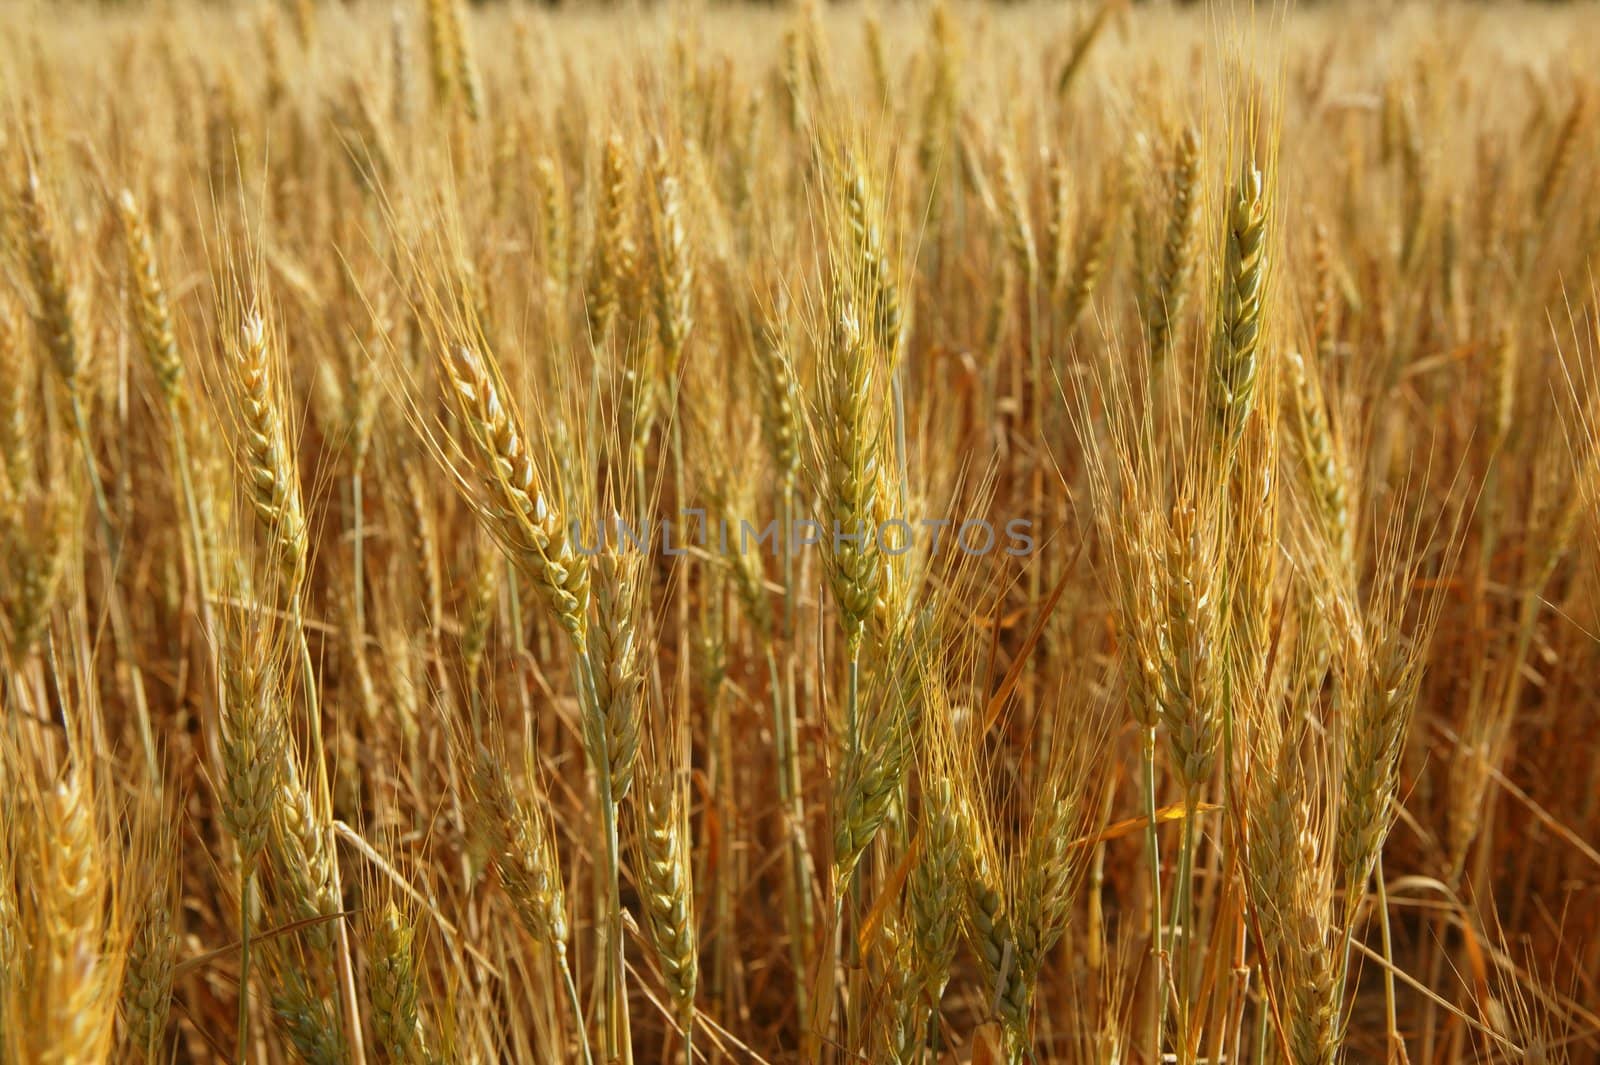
{"points": [[1119, 487]]}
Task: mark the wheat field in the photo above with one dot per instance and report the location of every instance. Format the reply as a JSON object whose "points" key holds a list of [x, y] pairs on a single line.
{"points": [[915, 533]]}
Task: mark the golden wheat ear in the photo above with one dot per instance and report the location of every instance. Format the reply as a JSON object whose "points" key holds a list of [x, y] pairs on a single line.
{"points": [[665, 848]]}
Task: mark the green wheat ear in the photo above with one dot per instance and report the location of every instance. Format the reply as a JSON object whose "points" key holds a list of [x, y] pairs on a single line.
{"points": [[1235, 356]]}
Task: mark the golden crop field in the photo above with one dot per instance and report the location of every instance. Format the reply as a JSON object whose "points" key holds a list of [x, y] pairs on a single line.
{"points": [[917, 533]]}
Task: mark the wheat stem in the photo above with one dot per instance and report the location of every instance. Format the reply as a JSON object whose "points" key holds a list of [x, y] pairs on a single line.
{"points": [[247, 880], [802, 926], [349, 1002], [1152, 842], [122, 632], [358, 555], [853, 759], [1390, 1015], [573, 1001], [1183, 913], [614, 1000], [796, 896]]}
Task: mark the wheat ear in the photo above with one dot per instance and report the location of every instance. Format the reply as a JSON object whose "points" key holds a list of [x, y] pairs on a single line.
{"points": [[152, 957], [1177, 249], [509, 495], [392, 989], [615, 658], [524, 855], [152, 315], [1234, 358], [1093, 249], [1290, 897], [614, 250], [305, 1018], [674, 270], [60, 314], [272, 483], [668, 890], [76, 977]]}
